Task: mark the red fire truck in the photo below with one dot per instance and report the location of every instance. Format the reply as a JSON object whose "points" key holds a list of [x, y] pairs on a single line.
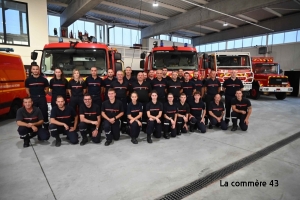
{"points": [[267, 78]]}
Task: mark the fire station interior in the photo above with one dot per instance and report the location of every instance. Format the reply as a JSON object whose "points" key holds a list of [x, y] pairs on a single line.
{"points": [[260, 36]]}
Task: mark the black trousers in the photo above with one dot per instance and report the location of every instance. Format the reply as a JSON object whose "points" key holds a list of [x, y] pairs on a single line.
{"points": [[75, 102], [112, 131], [56, 130], [155, 128], [86, 128], [197, 122], [168, 128], [134, 129], [41, 103], [214, 122], [97, 100], [228, 99], [180, 123], [124, 117], [189, 99], [208, 99], [53, 99], [235, 116], [42, 133]]}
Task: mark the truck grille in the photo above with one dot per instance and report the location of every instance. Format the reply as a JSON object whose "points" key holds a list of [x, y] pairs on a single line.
{"points": [[277, 80]]}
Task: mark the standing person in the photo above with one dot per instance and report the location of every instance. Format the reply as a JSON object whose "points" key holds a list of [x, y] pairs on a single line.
{"points": [[154, 113], [76, 89], [241, 109], [90, 120], [142, 88], [30, 121], [183, 115], [170, 117], [134, 115], [64, 120], [160, 85], [216, 112], [231, 85], [188, 87], [112, 110], [37, 87], [150, 76], [180, 75], [121, 89], [165, 74], [197, 114], [145, 75], [58, 86], [174, 86], [94, 85], [212, 87], [107, 82], [128, 76], [198, 83]]}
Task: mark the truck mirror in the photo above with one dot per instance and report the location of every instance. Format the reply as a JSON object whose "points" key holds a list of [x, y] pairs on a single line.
{"points": [[118, 66], [34, 55], [143, 55], [205, 56], [118, 56], [142, 63]]}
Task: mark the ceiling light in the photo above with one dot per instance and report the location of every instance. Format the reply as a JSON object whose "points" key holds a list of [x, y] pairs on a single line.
{"points": [[155, 4], [225, 24]]}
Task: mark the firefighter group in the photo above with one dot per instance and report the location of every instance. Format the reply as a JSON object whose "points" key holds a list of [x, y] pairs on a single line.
{"points": [[158, 105]]}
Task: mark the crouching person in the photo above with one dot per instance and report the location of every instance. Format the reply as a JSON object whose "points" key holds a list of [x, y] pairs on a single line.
{"points": [[30, 121], [216, 113], [170, 115], [89, 120], [63, 119], [197, 113], [183, 115]]}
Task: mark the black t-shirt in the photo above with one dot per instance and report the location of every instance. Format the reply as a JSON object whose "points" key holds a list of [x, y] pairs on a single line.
{"points": [[131, 80], [174, 87], [90, 113], [94, 85], [167, 78], [197, 109], [112, 109], [59, 86], [24, 116], [66, 116], [159, 86], [188, 87], [212, 86], [154, 108], [170, 110], [36, 85], [198, 84], [241, 105], [134, 110], [77, 87], [149, 80], [181, 79], [107, 84], [232, 86], [216, 109], [142, 90], [121, 89], [183, 109]]}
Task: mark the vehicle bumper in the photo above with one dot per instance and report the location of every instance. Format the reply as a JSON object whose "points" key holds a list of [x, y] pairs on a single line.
{"points": [[247, 87], [276, 89]]}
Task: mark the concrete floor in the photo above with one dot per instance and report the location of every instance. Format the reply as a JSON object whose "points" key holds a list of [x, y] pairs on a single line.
{"points": [[148, 171]]}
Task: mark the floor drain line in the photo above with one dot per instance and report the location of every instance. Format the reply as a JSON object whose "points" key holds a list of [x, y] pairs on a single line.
{"points": [[198, 184]]}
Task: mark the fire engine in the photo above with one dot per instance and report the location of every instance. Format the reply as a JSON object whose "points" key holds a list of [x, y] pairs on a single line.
{"points": [[79, 55], [267, 78]]}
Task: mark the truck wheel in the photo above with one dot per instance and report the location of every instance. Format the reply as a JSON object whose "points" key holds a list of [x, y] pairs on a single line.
{"points": [[254, 93], [281, 95], [14, 108]]}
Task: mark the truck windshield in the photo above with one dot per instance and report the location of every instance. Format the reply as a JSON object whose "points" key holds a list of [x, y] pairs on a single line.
{"points": [[266, 68], [69, 59], [175, 60], [230, 60]]}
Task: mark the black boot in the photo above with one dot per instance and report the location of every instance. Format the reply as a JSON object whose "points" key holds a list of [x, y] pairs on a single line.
{"points": [[234, 128], [192, 128], [149, 140], [107, 143], [206, 121], [134, 141], [84, 140], [166, 135], [179, 128], [26, 142], [210, 126], [58, 141]]}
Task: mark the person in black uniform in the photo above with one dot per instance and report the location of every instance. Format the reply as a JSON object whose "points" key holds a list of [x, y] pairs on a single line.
{"points": [[94, 86], [145, 75], [231, 85], [90, 120], [37, 87], [174, 87], [212, 87], [216, 113], [107, 82], [128, 76], [198, 83], [63, 119], [76, 89], [197, 113], [183, 115], [154, 113], [121, 89], [188, 88], [160, 86], [150, 76], [180, 76], [30, 121], [241, 109], [134, 115], [58, 86], [165, 74], [170, 117], [112, 110]]}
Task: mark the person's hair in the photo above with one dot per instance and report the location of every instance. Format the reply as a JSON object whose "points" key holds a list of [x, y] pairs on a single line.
{"points": [[128, 67], [63, 79], [111, 90], [76, 70], [239, 91], [153, 92], [174, 71], [94, 67], [186, 73], [165, 68], [182, 94], [59, 96], [110, 69], [87, 95], [218, 94], [197, 92], [120, 71], [170, 94], [140, 73], [27, 98], [212, 70], [134, 92], [180, 69]]}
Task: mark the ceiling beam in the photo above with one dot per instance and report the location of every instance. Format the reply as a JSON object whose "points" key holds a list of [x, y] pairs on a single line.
{"points": [[247, 18], [166, 6], [193, 32], [228, 24], [57, 3], [208, 28], [192, 17], [75, 10], [272, 11], [200, 1]]}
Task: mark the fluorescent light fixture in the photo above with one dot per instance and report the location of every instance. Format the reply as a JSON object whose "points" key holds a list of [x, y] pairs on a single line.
{"points": [[225, 24], [155, 4]]}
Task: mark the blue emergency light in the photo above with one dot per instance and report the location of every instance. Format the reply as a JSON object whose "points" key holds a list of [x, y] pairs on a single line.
{"points": [[60, 40], [185, 44]]}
